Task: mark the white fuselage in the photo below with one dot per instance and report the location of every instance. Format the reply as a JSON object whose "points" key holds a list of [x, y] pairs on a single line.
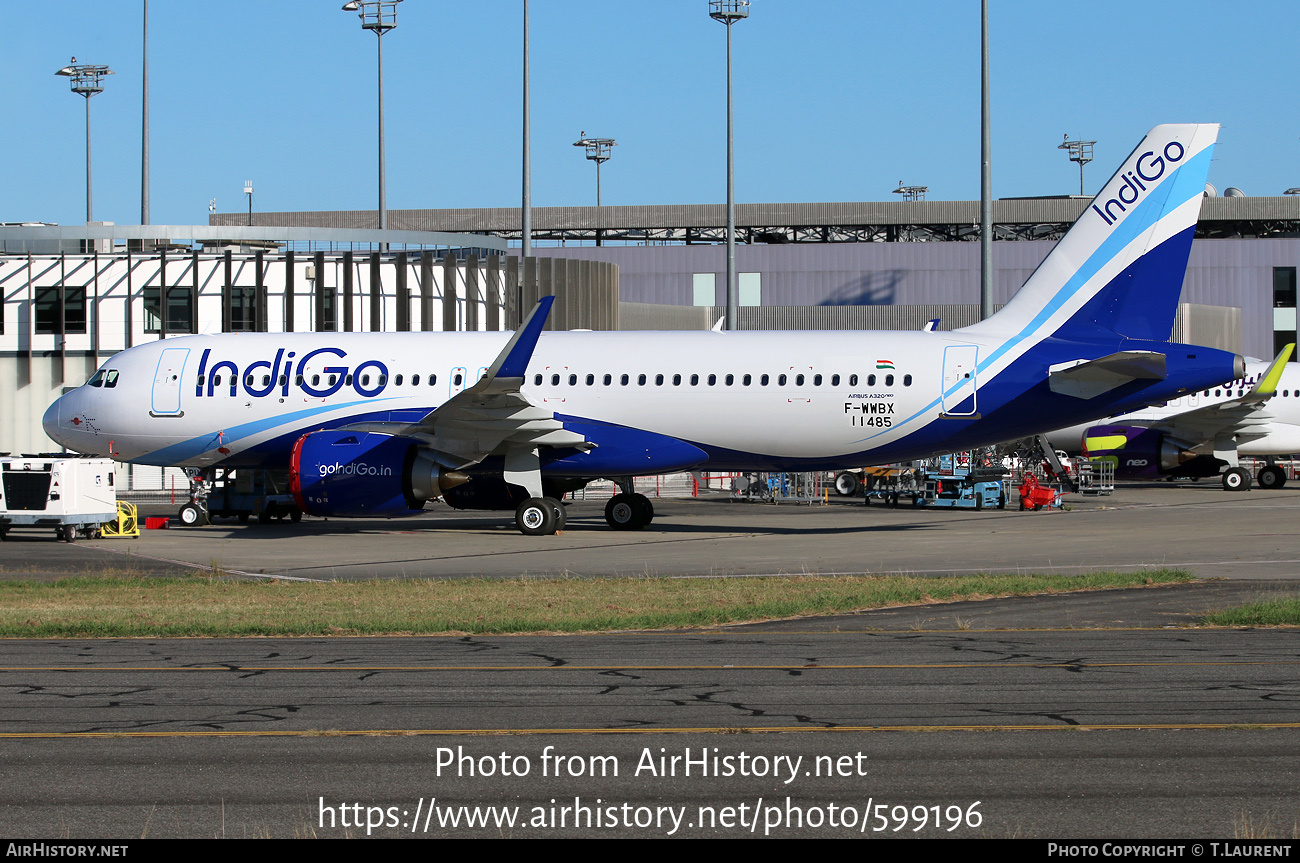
{"points": [[848, 393]]}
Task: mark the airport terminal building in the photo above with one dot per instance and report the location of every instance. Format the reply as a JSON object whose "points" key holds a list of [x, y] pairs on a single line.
{"points": [[73, 296]]}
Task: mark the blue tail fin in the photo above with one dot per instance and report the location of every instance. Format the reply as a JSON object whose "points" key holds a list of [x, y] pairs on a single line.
{"points": [[1120, 268]]}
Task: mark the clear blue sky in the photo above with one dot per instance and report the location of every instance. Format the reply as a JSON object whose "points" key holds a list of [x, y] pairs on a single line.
{"points": [[835, 101]]}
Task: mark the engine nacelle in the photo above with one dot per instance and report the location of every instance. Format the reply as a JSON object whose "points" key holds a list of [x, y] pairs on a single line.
{"points": [[364, 475], [1144, 453]]}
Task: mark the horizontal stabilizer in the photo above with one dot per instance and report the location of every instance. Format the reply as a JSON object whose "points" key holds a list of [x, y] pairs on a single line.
{"points": [[1086, 379]]}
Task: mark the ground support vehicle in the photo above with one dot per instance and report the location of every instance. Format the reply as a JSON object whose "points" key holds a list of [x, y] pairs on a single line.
{"points": [[891, 484], [74, 496], [964, 480]]}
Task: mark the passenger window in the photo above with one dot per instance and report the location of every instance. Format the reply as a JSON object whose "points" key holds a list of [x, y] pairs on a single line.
{"points": [[200, 382], [871, 380], [747, 379], [555, 380], [763, 381], [835, 380], [713, 380], [659, 380], [817, 380], [731, 379], [798, 380], [365, 380], [780, 380], [348, 381], [415, 380], [248, 380], [383, 379], [537, 380], [889, 380], [623, 380], [397, 381], [284, 379], [458, 379], [591, 380], [333, 380], [677, 380], [640, 380], [907, 380], [573, 380], [297, 380], [853, 380], [608, 379], [695, 380]]}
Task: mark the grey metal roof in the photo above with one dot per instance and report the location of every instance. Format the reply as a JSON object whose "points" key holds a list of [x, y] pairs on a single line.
{"points": [[505, 220]]}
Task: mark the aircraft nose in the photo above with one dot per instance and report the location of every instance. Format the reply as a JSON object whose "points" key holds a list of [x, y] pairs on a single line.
{"points": [[50, 422]]}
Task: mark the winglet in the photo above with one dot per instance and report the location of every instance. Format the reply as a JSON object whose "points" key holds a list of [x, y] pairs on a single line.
{"points": [[1267, 385], [513, 361]]}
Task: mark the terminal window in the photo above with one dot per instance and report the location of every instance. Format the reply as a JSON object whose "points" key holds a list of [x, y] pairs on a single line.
{"points": [[180, 307], [60, 310], [1284, 287]]}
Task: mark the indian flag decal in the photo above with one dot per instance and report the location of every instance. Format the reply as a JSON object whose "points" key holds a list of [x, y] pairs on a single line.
{"points": [[885, 364]]}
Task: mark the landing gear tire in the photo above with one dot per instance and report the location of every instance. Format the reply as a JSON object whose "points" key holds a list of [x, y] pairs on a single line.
{"points": [[536, 516], [1271, 477], [629, 511], [847, 484], [190, 515], [1236, 479], [561, 513]]}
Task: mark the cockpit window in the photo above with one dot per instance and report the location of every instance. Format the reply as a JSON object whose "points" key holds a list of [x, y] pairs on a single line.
{"points": [[110, 378], [97, 380]]}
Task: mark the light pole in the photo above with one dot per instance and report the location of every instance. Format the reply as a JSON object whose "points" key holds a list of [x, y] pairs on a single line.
{"points": [[729, 12], [1081, 152], [85, 82], [248, 190], [378, 16], [597, 151]]}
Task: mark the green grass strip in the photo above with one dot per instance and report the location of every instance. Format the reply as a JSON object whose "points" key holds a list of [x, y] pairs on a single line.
{"points": [[1271, 612], [133, 606]]}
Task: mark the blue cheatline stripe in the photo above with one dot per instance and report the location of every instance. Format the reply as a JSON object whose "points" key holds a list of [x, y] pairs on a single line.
{"points": [[185, 450], [1182, 185]]}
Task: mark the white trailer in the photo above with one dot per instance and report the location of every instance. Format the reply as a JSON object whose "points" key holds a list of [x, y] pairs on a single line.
{"points": [[71, 495]]}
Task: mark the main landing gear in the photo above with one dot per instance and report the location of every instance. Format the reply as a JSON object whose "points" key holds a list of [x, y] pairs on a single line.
{"points": [[629, 511], [540, 516], [1271, 476], [1236, 479]]}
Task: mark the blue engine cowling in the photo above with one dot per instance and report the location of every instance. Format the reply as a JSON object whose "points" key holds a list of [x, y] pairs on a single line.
{"points": [[360, 475], [1144, 453]]}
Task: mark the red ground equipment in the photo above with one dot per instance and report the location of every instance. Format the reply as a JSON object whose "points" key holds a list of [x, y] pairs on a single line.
{"points": [[1035, 496]]}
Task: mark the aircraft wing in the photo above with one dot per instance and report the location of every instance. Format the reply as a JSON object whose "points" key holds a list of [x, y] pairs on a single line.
{"points": [[479, 420], [1239, 416]]}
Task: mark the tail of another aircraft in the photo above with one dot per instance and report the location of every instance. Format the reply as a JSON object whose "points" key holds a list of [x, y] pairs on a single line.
{"points": [[1120, 268]]}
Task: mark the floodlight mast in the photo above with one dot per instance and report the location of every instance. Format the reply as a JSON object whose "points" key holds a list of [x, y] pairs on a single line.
{"points": [[597, 151], [911, 193], [378, 16], [85, 81], [729, 12], [1081, 152]]}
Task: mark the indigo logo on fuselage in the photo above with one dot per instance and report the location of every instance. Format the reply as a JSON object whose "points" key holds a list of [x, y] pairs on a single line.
{"points": [[1150, 168], [263, 377]]}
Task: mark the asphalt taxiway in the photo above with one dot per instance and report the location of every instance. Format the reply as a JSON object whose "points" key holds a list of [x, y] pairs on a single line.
{"points": [[1093, 715]]}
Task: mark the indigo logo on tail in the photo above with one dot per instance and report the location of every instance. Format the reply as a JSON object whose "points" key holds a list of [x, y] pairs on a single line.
{"points": [[1150, 168]]}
